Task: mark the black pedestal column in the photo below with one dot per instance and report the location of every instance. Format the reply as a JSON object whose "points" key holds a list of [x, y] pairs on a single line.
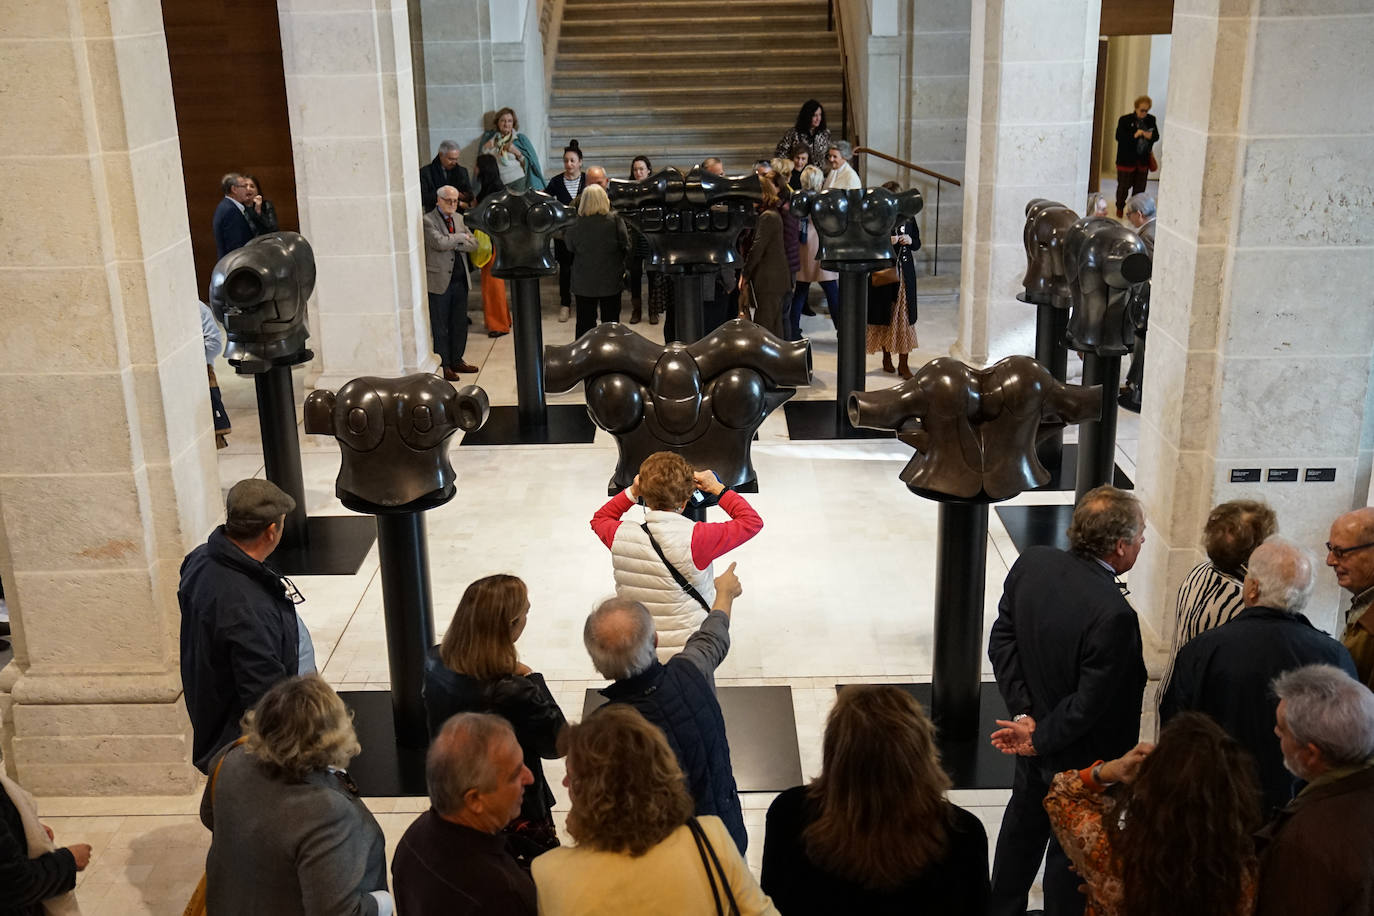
{"points": [[529, 352], [851, 357], [1050, 326], [1097, 438], [281, 448], [960, 571], [689, 319], [409, 608]]}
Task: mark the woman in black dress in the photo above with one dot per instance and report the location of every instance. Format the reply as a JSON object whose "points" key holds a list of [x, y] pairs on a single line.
{"points": [[566, 186]]}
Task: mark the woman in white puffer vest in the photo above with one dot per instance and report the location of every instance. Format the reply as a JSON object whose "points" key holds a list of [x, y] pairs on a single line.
{"points": [[665, 483]]}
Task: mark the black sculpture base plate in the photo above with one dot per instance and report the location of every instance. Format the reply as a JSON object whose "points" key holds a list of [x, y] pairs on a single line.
{"points": [[1037, 526], [971, 762], [1065, 476], [568, 425], [383, 768], [816, 420], [762, 729], [337, 546]]}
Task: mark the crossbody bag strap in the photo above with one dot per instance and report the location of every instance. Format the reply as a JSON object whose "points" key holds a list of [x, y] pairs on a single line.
{"points": [[706, 850], [678, 577], [214, 777], [702, 845]]}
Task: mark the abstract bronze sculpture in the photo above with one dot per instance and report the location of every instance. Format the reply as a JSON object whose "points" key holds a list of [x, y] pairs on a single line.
{"points": [[1047, 226], [691, 222], [258, 293], [522, 227], [1103, 259], [703, 400]]}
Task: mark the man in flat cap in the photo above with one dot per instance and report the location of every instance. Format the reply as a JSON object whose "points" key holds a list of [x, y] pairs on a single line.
{"points": [[240, 633]]}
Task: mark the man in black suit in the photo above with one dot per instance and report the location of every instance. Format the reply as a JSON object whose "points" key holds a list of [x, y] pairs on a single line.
{"points": [[232, 230], [1067, 655], [445, 171], [1226, 672]]}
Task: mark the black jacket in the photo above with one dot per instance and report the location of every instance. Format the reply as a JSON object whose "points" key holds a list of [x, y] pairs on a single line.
{"points": [[1066, 649], [558, 188], [25, 882], [1131, 150], [957, 885], [1226, 673], [441, 867], [434, 176], [601, 247], [239, 637], [524, 702], [263, 222], [232, 230]]}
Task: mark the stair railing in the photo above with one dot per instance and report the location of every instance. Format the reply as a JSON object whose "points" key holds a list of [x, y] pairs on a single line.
{"points": [[939, 179]]}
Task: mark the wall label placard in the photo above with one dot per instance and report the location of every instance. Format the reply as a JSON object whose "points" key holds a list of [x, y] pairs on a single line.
{"points": [[1282, 475], [1245, 475], [1319, 475]]}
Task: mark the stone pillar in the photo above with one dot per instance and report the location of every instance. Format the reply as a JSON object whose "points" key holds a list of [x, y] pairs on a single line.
{"points": [[349, 95], [1261, 335], [1032, 71], [107, 458], [452, 49]]}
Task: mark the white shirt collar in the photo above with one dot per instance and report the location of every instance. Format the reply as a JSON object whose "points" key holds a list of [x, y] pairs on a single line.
{"points": [[234, 202]]}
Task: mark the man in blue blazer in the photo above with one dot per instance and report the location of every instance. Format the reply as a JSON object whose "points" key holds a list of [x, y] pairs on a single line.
{"points": [[232, 230]]}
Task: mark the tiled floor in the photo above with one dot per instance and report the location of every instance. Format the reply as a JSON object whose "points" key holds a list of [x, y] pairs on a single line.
{"points": [[839, 585]]}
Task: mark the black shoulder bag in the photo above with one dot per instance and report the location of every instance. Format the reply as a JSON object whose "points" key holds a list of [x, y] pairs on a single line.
{"points": [[678, 577], [712, 864]]}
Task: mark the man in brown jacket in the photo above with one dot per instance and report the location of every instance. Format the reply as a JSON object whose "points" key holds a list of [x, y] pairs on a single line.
{"points": [[1317, 856], [1350, 552]]}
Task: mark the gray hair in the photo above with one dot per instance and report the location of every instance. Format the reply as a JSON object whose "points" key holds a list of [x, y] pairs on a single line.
{"points": [[1328, 708], [619, 636], [1143, 204], [448, 146], [1284, 572], [459, 760], [844, 146], [446, 192]]}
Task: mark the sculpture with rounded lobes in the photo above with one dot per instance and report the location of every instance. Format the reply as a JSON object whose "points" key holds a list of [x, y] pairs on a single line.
{"points": [[393, 436], [703, 400], [691, 222], [522, 227], [1103, 259], [1047, 226], [974, 430], [855, 225], [258, 292]]}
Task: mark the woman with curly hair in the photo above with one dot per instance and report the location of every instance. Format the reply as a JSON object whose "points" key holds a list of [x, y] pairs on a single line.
{"points": [[1176, 839], [639, 849], [810, 131], [477, 669], [289, 834], [874, 832], [515, 154]]}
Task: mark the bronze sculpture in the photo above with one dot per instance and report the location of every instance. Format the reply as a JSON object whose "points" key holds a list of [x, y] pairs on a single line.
{"points": [[258, 292], [521, 227], [1103, 259], [703, 400], [691, 222], [855, 225], [1047, 225]]}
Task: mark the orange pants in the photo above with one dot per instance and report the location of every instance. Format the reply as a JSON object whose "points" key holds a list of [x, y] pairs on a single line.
{"points": [[494, 305]]}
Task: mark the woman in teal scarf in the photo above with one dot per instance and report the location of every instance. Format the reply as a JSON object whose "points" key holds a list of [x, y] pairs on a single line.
{"points": [[513, 152]]}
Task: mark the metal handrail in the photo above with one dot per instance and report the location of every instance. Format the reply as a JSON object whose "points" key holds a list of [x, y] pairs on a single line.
{"points": [[939, 179]]}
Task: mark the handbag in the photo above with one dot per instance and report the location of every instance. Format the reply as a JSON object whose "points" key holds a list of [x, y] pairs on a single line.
{"points": [[712, 866], [678, 577], [196, 905]]}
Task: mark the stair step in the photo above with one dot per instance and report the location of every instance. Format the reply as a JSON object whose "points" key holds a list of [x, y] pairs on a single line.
{"points": [[611, 10], [632, 117], [809, 75], [611, 100], [697, 41], [647, 27], [666, 60]]}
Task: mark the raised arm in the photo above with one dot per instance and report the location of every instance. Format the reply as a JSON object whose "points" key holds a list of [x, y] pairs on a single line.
{"points": [[606, 521], [714, 539]]}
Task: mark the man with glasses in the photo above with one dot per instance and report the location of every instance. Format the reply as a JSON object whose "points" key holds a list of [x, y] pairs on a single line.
{"points": [[232, 230], [240, 633], [1350, 552]]}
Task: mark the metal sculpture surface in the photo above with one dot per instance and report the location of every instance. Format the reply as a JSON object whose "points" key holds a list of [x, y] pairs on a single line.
{"points": [[1103, 259], [393, 436], [855, 225], [258, 292], [1047, 226], [975, 430], [522, 227], [703, 400], [691, 222]]}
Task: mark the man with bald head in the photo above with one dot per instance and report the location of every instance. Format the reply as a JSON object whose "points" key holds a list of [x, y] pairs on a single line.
{"points": [[1350, 552], [679, 696], [597, 175], [1226, 672]]}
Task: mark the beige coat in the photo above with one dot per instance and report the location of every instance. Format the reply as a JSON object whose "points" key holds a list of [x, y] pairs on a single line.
{"points": [[441, 248]]}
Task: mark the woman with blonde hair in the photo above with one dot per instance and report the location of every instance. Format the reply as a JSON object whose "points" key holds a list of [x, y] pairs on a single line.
{"points": [[477, 669], [639, 849], [289, 833], [809, 242], [874, 832], [600, 246]]}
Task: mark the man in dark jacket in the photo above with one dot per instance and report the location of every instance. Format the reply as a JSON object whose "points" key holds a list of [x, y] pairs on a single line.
{"points": [[1136, 134], [1226, 672], [1067, 655], [239, 630], [1317, 856], [445, 170], [231, 226], [679, 696]]}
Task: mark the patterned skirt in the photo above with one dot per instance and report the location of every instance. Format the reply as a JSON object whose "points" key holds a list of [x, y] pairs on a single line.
{"points": [[898, 335]]}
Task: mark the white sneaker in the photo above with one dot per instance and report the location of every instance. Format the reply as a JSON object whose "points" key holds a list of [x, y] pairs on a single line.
{"points": [[564, 314]]}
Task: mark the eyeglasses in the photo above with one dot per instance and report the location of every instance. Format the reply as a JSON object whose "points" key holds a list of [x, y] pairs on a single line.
{"points": [[1342, 552]]}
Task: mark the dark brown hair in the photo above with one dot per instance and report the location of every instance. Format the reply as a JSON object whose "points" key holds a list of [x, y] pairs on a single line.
{"points": [[881, 792], [628, 792], [478, 642], [1181, 833], [1234, 529], [665, 481]]}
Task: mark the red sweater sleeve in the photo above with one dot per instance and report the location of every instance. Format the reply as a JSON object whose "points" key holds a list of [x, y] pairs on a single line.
{"points": [[713, 539], [606, 521]]}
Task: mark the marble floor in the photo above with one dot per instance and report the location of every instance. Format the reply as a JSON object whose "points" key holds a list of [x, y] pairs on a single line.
{"points": [[839, 585]]}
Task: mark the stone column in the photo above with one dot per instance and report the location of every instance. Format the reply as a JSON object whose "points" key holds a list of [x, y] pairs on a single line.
{"points": [[349, 95], [107, 465], [1032, 71], [1261, 334], [452, 49]]}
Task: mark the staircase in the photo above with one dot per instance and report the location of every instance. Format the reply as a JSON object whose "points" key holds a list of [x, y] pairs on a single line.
{"points": [[679, 80]]}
